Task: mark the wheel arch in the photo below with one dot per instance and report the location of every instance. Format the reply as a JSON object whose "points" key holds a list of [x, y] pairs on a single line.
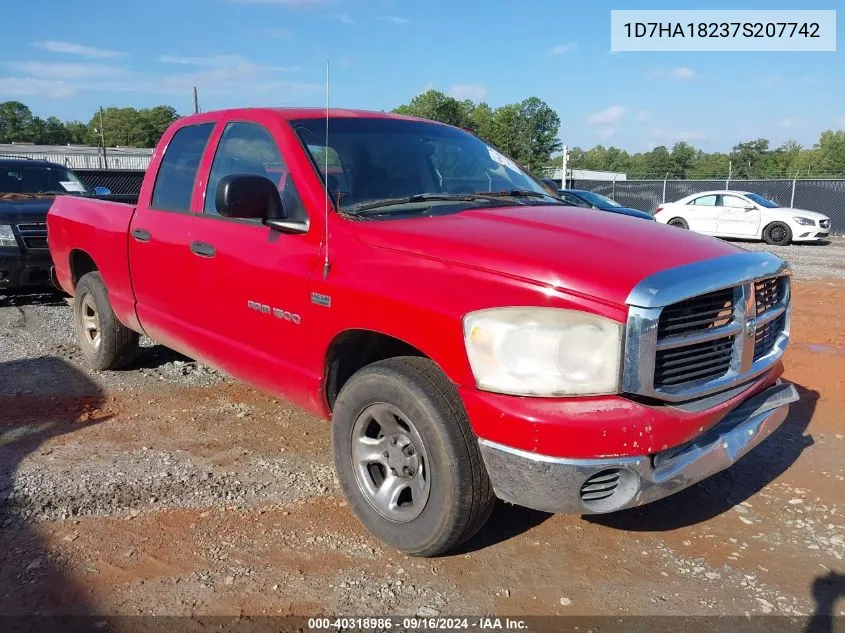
{"points": [[80, 264], [353, 349]]}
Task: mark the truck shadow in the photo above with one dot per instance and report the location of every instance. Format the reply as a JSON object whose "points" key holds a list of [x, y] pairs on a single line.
{"points": [[32, 581], [725, 490], [47, 296]]}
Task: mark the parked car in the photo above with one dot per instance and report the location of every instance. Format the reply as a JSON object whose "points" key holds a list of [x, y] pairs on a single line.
{"points": [[27, 189], [465, 346], [742, 214], [593, 200]]}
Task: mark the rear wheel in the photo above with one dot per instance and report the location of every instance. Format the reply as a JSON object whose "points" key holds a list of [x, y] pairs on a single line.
{"points": [[777, 234], [407, 459], [678, 222], [105, 342]]}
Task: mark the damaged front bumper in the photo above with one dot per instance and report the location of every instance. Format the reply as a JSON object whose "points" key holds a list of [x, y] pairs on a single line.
{"points": [[597, 486]]}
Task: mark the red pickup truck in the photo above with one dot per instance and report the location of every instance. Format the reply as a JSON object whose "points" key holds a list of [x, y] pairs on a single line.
{"points": [[469, 335]]}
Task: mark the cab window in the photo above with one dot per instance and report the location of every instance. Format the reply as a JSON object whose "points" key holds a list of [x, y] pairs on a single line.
{"points": [[248, 148], [174, 185], [704, 201]]}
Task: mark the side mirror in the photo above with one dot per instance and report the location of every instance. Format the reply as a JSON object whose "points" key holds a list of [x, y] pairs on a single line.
{"points": [[102, 191], [248, 196]]}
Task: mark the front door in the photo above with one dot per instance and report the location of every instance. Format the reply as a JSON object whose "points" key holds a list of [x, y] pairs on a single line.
{"points": [[737, 216], [159, 237], [251, 283]]}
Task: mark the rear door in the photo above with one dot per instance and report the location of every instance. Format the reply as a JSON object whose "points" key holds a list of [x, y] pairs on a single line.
{"points": [[160, 235], [737, 216], [700, 213], [251, 283]]}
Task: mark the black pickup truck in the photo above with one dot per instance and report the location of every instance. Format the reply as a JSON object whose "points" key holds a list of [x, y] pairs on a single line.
{"points": [[27, 190]]}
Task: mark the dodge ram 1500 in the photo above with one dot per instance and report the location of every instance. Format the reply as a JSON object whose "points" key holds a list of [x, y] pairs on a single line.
{"points": [[468, 335]]}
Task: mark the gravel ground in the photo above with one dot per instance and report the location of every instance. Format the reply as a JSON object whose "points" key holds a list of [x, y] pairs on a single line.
{"points": [[825, 260], [169, 488]]}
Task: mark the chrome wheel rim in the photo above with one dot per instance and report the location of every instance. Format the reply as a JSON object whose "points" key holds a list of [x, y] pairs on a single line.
{"points": [[90, 322], [390, 463]]}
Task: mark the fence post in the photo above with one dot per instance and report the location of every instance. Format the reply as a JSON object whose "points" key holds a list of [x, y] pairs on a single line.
{"points": [[665, 178], [792, 198], [613, 188]]}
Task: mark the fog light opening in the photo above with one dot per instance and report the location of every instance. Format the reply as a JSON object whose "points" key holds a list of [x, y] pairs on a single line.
{"points": [[609, 490]]}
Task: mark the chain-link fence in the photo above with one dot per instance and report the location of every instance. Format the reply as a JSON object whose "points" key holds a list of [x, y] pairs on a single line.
{"points": [[823, 196], [118, 181]]}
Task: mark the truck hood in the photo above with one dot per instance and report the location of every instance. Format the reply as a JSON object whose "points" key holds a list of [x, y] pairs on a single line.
{"points": [[15, 210], [600, 255]]}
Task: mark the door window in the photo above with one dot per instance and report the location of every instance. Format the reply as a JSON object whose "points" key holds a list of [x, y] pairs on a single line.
{"points": [[248, 148], [177, 173], [704, 201], [734, 202]]}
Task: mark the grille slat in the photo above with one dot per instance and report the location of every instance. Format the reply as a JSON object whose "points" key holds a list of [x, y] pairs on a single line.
{"points": [[714, 309], [767, 294], [35, 243]]}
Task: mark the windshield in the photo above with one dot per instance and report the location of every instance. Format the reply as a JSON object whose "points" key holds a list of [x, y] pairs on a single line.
{"points": [[763, 202], [598, 200], [23, 178], [383, 162]]}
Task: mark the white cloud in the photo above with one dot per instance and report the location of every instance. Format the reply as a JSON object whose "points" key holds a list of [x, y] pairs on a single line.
{"points": [[71, 48], [642, 116], [689, 136], [606, 132], [30, 86], [841, 121], [427, 87], [395, 19], [475, 92], [560, 49], [64, 72], [608, 116], [233, 62], [659, 136], [229, 78], [344, 17], [682, 72]]}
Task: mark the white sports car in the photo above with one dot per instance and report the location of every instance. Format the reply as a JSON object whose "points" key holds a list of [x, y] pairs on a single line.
{"points": [[742, 214]]}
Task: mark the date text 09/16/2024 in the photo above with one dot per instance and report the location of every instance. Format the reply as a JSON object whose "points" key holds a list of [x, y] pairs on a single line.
{"points": [[416, 623]]}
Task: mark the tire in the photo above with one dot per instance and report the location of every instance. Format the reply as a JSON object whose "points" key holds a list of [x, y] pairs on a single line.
{"points": [[451, 498], [777, 234], [105, 342], [679, 223]]}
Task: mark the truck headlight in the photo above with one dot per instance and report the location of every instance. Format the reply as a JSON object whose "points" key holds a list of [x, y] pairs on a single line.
{"points": [[543, 351], [804, 221], [7, 238]]}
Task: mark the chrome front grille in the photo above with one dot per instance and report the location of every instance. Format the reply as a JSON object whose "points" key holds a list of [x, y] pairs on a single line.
{"points": [[706, 327]]}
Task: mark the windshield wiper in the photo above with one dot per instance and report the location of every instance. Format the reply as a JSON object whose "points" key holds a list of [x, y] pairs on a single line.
{"points": [[513, 193], [420, 197]]}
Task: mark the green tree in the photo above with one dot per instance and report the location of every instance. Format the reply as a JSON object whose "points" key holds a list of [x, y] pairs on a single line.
{"points": [[438, 106], [750, 159], [831, 152], [683, 155], [15, 122]]}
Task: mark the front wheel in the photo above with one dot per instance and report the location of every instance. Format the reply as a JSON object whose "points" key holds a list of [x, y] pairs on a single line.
{"points": [[678, 222], [407, 459], [777, 234], [105, 342]]}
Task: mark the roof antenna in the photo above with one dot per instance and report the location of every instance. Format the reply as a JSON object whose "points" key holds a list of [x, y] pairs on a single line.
{"points": [[326, 179]]}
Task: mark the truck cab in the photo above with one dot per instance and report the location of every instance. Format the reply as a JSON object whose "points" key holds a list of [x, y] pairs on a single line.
{"points": [[469, 335]]}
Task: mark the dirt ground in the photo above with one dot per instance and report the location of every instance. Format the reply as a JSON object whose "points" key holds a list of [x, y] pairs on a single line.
{"points": [[171, 489]]}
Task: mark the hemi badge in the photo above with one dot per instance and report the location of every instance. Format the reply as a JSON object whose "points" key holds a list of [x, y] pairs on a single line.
{"points": [[321, 300]]}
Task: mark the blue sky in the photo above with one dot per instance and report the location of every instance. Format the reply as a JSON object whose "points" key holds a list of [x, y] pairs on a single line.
{"points": [[67, 61]]}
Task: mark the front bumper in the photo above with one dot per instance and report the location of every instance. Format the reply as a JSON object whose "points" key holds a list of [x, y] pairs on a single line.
{"points": [[597, 486], [19, 270]]}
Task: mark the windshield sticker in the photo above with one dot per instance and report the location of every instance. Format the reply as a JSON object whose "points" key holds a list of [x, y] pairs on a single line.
{"points": [[502, 159], [73, 187]]}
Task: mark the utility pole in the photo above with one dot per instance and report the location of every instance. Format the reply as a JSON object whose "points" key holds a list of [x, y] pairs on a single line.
{"points": [[103, 139], [196, 102], [563, 169]]}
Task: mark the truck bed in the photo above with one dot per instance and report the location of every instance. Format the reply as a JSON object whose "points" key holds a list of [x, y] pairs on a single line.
{"points": [[83, 229]]}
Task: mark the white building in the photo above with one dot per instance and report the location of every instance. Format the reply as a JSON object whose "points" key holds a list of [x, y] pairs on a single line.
{"points": [[587, 174], [81, 156]]}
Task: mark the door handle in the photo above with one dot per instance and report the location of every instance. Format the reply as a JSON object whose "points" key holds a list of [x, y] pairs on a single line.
{"points": [[202, 249], [141, 235]]}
